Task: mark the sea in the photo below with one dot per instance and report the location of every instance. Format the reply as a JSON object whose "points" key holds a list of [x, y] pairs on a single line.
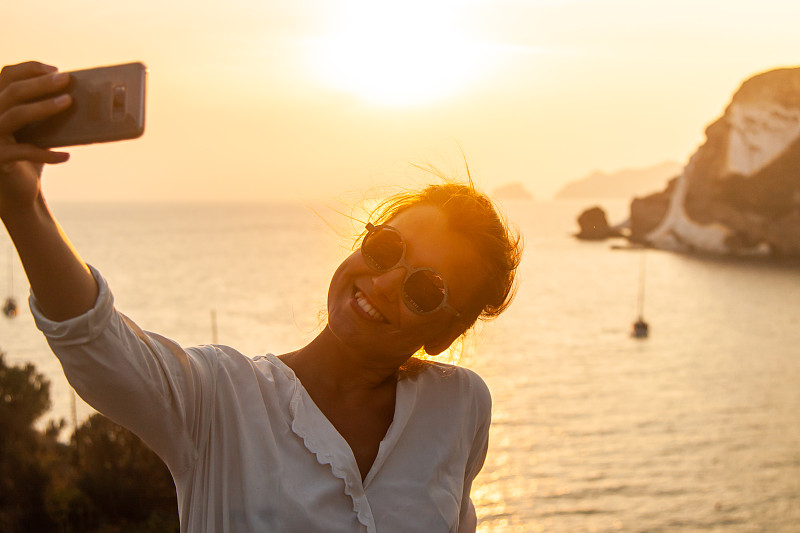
{"points": [[694, 428]]}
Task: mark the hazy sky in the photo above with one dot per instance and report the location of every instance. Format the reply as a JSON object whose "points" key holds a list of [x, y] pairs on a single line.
{"points": [[311, 99]]}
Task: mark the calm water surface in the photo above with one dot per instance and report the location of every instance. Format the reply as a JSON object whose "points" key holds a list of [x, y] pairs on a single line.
{"points": [[696, 428]]}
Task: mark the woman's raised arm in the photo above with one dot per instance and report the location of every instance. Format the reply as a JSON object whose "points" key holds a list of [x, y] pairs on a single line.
{"points": [[59, 278]]}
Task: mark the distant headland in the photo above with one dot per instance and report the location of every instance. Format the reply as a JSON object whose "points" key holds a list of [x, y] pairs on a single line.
{"points": [[625, 183]]}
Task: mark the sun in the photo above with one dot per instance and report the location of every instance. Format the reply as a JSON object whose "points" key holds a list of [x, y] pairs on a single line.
{"points": [[398, 53]]}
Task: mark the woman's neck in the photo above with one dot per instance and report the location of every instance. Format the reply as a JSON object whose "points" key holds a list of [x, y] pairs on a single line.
{"points": [[326, 362]]}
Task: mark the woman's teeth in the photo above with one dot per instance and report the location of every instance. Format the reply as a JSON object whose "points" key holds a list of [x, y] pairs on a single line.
{"points": [[364, 304]]}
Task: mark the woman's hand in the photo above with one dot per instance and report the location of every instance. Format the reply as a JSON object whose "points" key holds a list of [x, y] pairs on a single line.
{"points": [[61, 281], [29, 92]]}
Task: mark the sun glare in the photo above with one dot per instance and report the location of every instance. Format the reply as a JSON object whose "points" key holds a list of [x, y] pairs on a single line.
{"points": [[398, 54]]}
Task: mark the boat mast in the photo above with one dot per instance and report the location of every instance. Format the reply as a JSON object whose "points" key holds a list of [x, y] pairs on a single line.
{"points": [[10, 305], [641, 285]]}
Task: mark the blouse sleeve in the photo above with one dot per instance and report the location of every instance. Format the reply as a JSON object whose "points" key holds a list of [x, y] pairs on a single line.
{"points": [[468, 521], [140, 380]]}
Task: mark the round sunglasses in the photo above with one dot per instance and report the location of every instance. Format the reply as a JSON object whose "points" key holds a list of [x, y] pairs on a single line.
{"points": [[424, 289]]}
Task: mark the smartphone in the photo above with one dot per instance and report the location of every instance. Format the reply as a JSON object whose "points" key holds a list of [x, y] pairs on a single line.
{"points": [[107, 105]]}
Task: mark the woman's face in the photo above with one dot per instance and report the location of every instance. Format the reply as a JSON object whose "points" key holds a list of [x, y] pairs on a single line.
{"points": [[366, 311]]}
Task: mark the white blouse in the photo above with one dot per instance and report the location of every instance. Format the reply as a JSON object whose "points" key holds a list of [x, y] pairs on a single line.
{"points": [[250, 451]]}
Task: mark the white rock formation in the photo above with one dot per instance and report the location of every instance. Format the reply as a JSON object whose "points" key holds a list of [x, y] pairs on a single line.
{"points": [[760, 132], [680, 233]]}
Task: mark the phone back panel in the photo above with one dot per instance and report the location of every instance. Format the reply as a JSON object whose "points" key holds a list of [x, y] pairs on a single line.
{"points": [[108, 104]]}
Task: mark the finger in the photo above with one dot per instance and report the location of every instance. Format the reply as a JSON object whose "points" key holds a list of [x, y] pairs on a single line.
{"points": [[12, 153], [30, 89], [21, 71], [18, 116]]}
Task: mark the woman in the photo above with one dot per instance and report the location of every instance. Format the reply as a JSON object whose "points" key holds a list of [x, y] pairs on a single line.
{"points": [[348, 433]]}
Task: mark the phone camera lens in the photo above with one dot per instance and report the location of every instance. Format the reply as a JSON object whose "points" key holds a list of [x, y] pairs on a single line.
{"points": [[118, 99]]}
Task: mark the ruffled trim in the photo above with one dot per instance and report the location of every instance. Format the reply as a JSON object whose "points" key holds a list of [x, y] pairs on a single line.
{"points": [[330, 448]]}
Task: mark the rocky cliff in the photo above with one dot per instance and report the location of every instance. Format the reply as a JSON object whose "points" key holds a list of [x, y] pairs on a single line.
{"points": [[739, 194]]}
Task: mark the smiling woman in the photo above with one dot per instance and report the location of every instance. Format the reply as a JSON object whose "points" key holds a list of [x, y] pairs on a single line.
{"points": [[398, 54]]}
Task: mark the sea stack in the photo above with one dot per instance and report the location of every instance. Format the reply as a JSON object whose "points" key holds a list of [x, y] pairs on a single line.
{"points": [[594, 225]]}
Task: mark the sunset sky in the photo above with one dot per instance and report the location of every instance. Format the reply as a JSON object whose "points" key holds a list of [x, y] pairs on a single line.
{"points": [[254, 100]]}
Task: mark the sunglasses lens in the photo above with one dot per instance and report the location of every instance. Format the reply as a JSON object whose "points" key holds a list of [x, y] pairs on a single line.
{"points": [[383, 248], [425, 289]]}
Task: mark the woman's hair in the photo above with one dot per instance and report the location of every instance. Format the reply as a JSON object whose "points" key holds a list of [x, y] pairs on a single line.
{"points": [[473, 215]]}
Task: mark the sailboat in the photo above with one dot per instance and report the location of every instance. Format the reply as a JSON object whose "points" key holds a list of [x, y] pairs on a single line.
{"points": [[640, 328], [10, 305]]}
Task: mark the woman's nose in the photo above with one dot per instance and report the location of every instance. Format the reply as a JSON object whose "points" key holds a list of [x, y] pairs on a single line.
{"points": [[388, 284]]}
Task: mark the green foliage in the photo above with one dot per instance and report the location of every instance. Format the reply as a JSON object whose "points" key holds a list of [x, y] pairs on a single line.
{"points": [[124, 479], [24, 397], [104, 481]]}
